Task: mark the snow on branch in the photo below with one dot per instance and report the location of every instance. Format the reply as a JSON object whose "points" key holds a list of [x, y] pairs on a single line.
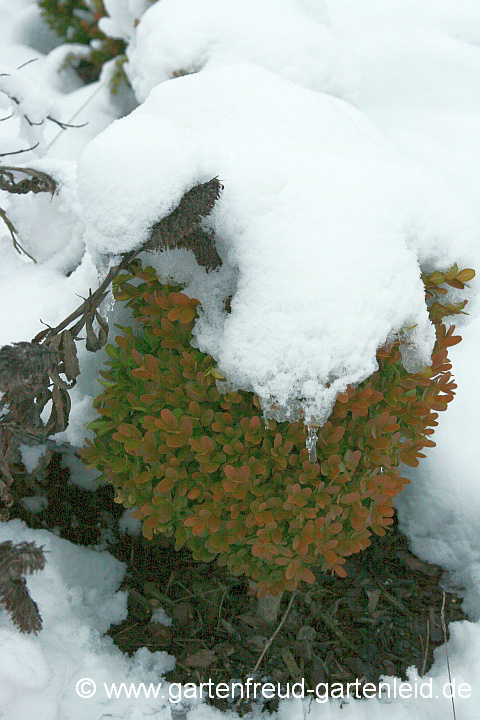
{"points": [[30, 103]]}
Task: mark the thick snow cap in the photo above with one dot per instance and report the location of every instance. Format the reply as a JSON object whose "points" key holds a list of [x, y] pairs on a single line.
{"points": [[323, 228]]}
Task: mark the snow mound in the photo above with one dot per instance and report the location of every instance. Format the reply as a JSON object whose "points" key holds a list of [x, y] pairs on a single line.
{"points": [[78, 599], [321, 225], [289, 37]]}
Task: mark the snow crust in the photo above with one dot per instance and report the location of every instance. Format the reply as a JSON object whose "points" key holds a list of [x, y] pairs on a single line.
{"points": [[160, 616], [81, 475], [51, 226], [34, 101], [35, 503], [323, 226]]}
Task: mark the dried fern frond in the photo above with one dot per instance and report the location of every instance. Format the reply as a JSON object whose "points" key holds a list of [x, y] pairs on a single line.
{"points": [[182, 228], [17, 560]]}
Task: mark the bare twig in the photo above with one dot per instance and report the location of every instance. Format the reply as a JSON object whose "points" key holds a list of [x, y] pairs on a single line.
{"points": [[396, 602], [129, 627], [87, 101], [444, 628], [17, 152], [425, 654], [332, 626], [61, 124], [27, 62], [35, 181], [13, 234], [224, 595]]}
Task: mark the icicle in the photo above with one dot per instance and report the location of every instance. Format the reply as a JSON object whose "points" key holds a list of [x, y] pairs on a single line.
{"points": [[103, 268], [311, 443]]}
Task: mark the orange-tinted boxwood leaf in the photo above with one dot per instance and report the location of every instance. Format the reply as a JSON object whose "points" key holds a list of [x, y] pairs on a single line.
{"points": [[466, 275], [164, 485], [340, 571], [307, 575]]}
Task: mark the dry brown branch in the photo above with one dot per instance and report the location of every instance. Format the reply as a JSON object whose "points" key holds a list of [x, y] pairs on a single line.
{"points": [[13, 234], [35, 181]]}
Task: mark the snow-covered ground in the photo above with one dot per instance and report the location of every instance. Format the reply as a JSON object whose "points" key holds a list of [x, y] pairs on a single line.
{"points": [[346, 135]]}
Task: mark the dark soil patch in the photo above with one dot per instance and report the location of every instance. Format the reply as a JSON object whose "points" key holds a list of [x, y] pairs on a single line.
{"points": [[380, 620]]}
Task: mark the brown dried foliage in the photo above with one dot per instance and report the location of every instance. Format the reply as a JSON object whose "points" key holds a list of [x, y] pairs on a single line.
{"points": [[182, 228], [17, 560]]}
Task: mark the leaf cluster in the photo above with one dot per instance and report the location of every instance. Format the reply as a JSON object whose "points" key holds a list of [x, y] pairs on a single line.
{"points": [[206, 469]]}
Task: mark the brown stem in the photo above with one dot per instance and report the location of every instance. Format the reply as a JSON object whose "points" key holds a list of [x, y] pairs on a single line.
{"points": [[93, 300]]}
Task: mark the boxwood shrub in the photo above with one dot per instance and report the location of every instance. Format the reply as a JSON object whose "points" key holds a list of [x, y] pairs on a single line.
{"points": [[206, 469]]}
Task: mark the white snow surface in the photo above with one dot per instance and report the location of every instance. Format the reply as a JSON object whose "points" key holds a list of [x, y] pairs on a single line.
{"points": [[326, 224], [372, 191], [288, 37], [160, 616], [32, 100], [78, 598]]}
